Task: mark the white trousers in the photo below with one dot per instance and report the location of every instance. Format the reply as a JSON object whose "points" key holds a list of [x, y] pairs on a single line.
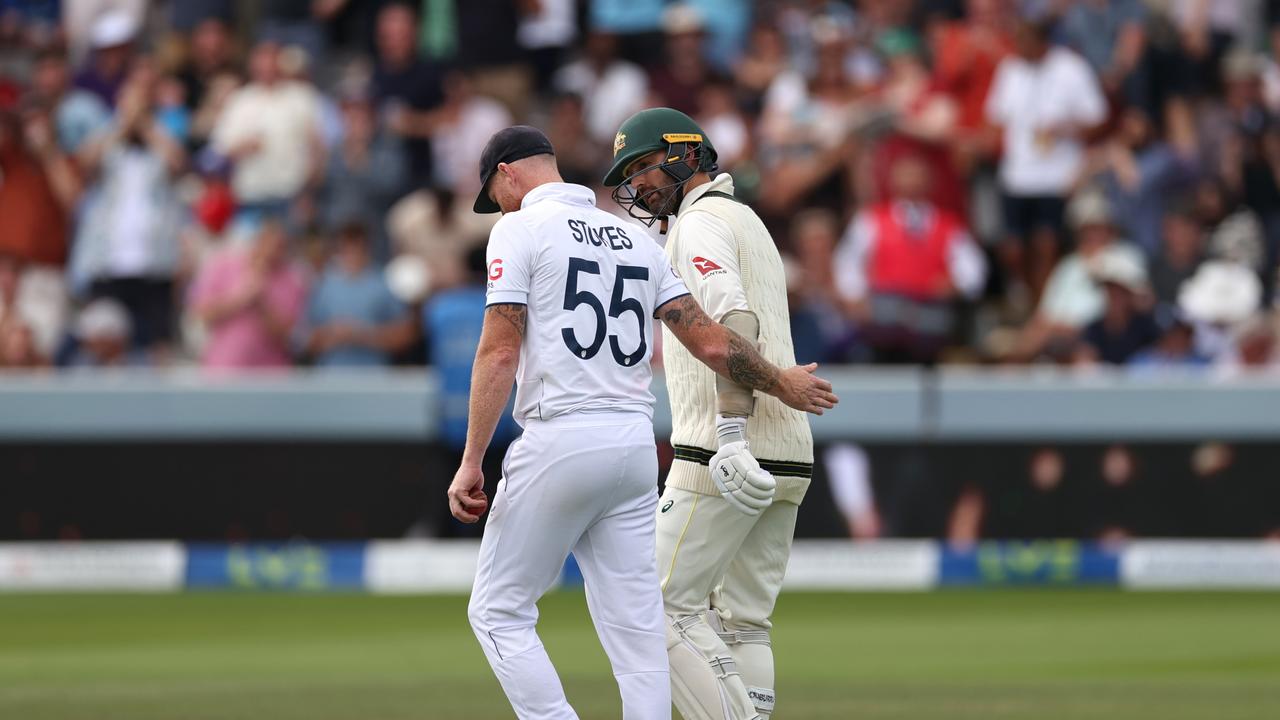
{"points": [[586, 484], [710, 556]]}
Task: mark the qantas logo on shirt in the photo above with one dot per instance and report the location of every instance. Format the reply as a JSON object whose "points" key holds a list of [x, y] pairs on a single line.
{"points": [[495, 269], [705, 266]]}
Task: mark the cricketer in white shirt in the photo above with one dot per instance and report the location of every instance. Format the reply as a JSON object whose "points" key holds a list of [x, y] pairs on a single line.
{"points": [[572, 294]]}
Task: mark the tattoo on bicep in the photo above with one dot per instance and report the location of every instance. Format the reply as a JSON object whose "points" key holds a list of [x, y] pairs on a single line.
{"points": [[511, 312], [747, 367]]}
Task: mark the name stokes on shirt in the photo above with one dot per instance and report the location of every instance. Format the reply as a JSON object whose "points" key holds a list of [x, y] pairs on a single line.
{"points": [[614, 238]]}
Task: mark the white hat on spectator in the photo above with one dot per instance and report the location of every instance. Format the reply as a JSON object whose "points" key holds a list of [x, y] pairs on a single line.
{"points": [[1242, 66], [1118, 266], [103, 319], [113, 28], [682, 19], [1089, 207], [1221, 293], [408, 277], [1240, 239]]}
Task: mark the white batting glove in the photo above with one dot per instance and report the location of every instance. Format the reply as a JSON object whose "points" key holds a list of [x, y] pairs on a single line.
{"points": [[737, 474]]}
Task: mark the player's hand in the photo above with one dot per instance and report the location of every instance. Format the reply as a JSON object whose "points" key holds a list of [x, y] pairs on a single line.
{"points": [[467, 500], [799, 388], [740, 479]]}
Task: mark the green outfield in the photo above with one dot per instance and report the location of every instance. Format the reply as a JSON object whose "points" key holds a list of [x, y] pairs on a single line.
{"points": [[1042, 655]]}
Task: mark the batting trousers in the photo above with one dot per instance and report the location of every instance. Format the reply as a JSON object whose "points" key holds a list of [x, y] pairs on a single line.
{"points": [[584, 483]]}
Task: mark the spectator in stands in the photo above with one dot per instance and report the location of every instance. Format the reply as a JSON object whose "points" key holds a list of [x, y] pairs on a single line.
{"points": [[924, 121], [250, 301], [1125, 327], [451, 322], [1110, 35], [902, 264], [763, 61], [406, 87], [33, 306], [1139, 171], [1071, 299], [78, 115], [578, 155], [297, 23], [637, 23], [354, 319], [546, 34], [367, 172], [17, 346], [211, 54], [819, 328], [805, 132], [1047, 100], [127, 243], [1207, 30], [103, 337], [1220, 298], [38, 186], [966, 54], [676, 81], [270, 129], [1181, 252], [720, 118], [465, 123], [611, 89], [488, 50], [1175, 349], [113, 40], [1256, 347]]}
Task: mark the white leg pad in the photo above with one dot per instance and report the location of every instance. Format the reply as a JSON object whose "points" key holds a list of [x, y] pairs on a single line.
{"points": [[753, 653], [705, 683]]}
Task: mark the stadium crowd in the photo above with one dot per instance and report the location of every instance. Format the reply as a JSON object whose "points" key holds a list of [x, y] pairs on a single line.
{"points": [[264, 184]]}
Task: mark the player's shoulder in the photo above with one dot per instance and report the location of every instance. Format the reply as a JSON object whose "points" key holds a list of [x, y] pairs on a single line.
{"points": [[513, 228]]}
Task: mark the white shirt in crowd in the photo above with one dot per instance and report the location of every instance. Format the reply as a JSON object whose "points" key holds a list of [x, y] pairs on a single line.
{"points": [[456, 147], [592, 284], [553, 25], [285, 118], [1071, 296], [965, 262], [1027, 99], [608, 98]]}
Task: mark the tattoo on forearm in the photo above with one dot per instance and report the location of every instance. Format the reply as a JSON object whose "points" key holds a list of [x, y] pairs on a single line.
{"points": [[512, 313], [747, 367], [684, 312]]}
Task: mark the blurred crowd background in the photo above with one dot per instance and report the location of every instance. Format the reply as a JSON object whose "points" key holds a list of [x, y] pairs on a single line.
{"points": [[249, 185]]}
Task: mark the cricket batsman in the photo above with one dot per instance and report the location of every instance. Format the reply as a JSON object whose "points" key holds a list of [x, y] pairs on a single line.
{"points": [[742, 461]]}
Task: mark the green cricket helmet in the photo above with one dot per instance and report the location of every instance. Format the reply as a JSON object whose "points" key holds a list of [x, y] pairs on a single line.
{"points": [[649, 131]]}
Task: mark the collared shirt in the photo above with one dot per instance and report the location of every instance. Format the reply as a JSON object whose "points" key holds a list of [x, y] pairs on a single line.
{"points": [[965, 262], [592, 283]]}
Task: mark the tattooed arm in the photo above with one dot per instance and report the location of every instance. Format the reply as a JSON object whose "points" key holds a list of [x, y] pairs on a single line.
{"points": [[732, 356], [491, 378]]}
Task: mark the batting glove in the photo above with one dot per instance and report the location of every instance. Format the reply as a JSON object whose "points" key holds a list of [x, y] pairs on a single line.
{"points": [[740, 480]]}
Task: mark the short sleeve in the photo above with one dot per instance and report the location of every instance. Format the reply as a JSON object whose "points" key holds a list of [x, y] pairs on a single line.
{"points": [[1089, 103], [510, 265], [996, 108], [850, 258], [670, 286], [708, 256]]}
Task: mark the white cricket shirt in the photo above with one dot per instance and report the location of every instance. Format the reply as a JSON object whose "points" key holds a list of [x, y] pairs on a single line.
{"points": [[592, 283]]}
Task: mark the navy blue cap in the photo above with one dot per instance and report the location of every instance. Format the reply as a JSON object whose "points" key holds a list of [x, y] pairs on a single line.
{"points": [[507, 146]]}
